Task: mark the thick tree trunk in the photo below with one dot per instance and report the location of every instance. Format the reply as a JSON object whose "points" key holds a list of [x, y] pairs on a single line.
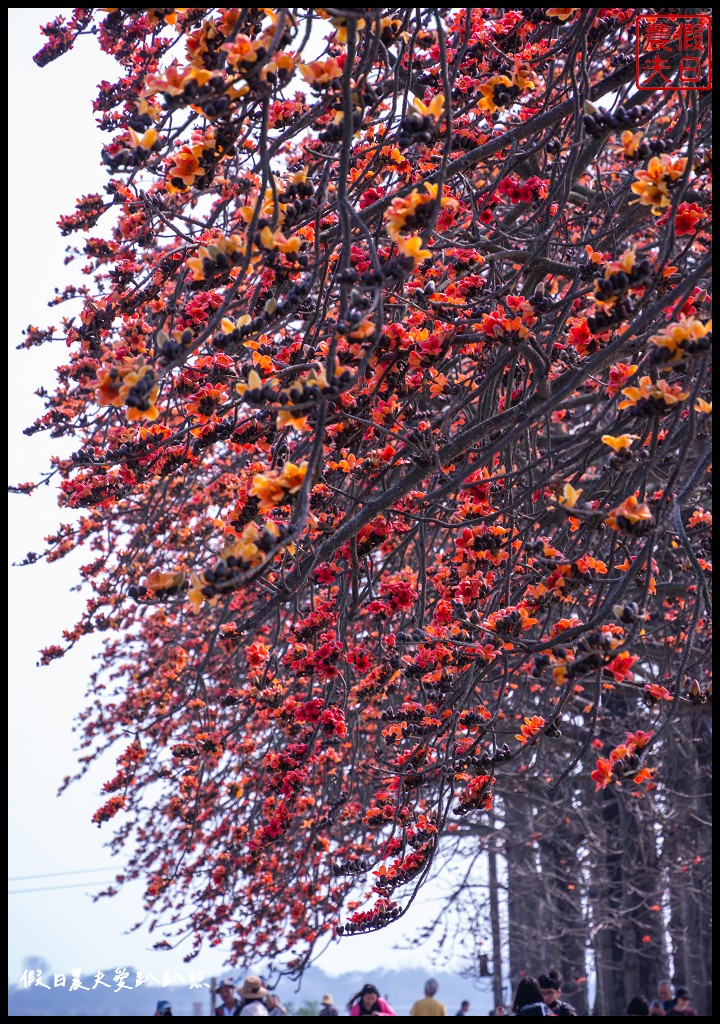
{"points": [[644, 944], [562, 875], [495, 928], [606, 897], [688, 864], [527, 909]]}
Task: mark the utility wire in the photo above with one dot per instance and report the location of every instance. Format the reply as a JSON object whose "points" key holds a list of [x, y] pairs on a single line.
{"points": [[58, 874], [53, 888]]}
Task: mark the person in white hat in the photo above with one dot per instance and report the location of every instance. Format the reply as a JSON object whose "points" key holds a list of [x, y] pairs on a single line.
{"points": [[253, 994]]}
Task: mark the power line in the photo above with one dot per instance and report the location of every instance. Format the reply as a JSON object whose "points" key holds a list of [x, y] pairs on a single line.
{"points": [[53, 888], [59, 874]]}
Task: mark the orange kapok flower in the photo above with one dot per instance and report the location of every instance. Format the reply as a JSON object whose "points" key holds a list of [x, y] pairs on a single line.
{"points": [[109, 387], [619, 374], [651, 186], [570, 496], [145, 141], [207, 402], [621, 443], [630, 516], [603, 774], [495, 90], [656, 692], [196, 595], [434, 109], [174, 80], [184, 169], [653, 399], [267, 487], [687, 217], [639, 739], [411, 248], [292, 476], [682, 340], [121, 385], [288, 418], [408, 213], [216, 255], [320, 72], [163, 582], [139, 395], [523, 75], [530, 729], [562, 14], [631, 141], [273, 487]]}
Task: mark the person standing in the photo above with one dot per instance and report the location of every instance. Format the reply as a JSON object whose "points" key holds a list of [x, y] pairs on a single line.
{"points": [[253, 995], [230, 1006], [464, 1007], [666, 994], [428, 1006], [682, 1007], [275, 1007], [638, 1007], [528, 1000], [328, 1007], [550, 986], [163, 1009], [369, 1003]]}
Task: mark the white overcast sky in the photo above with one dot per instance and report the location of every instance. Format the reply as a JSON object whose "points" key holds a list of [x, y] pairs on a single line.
{"points": [[54, 849]]}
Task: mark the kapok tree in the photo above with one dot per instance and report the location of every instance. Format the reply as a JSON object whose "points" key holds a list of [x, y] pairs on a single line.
{"points": [[390, 391]]}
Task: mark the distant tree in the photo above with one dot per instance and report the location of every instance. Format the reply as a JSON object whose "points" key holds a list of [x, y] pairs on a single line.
{"points": [[309, 1008], [36, 963], [390, 385]]}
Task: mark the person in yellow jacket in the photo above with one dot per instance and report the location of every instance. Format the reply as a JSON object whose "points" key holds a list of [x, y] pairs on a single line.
{"points": [[429, 1006]]}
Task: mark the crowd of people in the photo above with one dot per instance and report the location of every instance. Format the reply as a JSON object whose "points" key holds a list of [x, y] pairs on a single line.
{"points": [[669, 1002], [251, 999], [541, 998], [534, 997]]}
